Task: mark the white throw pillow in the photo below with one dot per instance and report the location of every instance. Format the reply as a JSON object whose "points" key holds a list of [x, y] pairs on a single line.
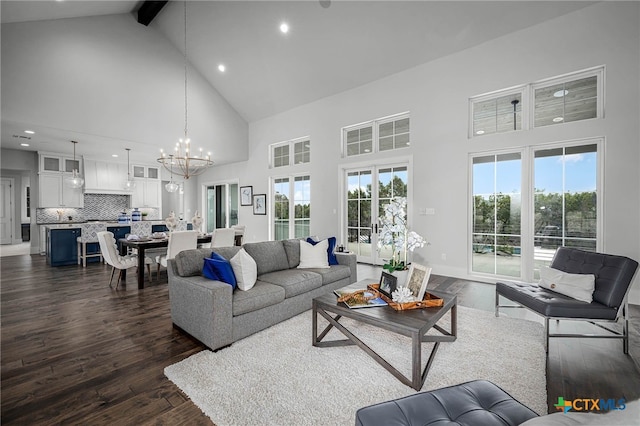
{"points": [[245, 270], [314, 256], [577, 286]]}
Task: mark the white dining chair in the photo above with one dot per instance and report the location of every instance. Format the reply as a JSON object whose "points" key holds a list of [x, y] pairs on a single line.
{"points": [[223, 237], [110, 254], [178, 241]]}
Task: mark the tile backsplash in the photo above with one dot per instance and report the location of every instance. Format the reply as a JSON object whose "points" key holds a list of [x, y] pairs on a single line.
{"points": [[96, 207]]}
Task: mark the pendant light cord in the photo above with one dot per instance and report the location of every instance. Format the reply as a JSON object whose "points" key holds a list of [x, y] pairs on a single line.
{"points": [[185, 70]]}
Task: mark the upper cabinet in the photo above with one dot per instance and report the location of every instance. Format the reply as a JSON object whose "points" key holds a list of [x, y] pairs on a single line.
{"points": [[54, 168], [151, 172], [101, 177], [148, 186]]}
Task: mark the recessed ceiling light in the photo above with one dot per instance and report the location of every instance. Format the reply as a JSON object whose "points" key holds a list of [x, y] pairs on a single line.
{"points": [[221, 68], [114, 155], [558, 119], [284, 28], [480, 132], [29, 132], [560, 93], [24, 144]]}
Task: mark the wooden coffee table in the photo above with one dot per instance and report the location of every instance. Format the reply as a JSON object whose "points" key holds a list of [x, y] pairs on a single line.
{"points": [[412, 323]]}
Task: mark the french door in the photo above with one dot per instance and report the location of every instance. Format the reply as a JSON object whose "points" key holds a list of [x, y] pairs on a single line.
{"points": [[367, 191], [222, 206]]}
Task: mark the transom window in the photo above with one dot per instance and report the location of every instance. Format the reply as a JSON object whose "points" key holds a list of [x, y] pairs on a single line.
{"points": [[383, 134], [281, 152], [498, 114]]}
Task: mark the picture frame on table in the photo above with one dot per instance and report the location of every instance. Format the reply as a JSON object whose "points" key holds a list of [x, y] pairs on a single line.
{"points": [[418, 280], [388, 284], [260, 204], [246, 195]]}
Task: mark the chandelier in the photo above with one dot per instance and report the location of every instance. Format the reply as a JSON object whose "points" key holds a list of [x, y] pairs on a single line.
{"points": [[185, 161], [75, 180]]}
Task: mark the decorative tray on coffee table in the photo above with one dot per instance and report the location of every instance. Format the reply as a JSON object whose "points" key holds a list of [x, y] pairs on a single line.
{"points": [[429, 301]]}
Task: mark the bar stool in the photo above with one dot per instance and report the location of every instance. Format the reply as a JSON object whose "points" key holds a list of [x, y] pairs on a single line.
{"points": [[89, 236]]}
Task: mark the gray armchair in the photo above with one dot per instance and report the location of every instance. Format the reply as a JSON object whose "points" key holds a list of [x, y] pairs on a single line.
{"points": [[614, 275]]}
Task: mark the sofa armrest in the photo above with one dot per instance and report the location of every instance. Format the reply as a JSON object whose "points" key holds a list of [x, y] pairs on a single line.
{"points": [[201, 307], [349, 259]]}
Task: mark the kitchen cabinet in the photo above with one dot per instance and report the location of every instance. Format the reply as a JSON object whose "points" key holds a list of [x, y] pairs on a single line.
{"points": [[146, 193], [62, 248], [119, 231], [102, 177], [150, 172], [50, 162], [54, 193]]}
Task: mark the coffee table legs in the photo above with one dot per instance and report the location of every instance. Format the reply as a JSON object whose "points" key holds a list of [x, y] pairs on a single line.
{"points": [[418, 375]]}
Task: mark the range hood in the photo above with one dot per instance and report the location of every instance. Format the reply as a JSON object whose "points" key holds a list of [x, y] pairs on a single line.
{"points": [[101, 177]]}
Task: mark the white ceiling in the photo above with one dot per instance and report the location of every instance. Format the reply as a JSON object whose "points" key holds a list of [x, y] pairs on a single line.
{"points": [[327, 51]]}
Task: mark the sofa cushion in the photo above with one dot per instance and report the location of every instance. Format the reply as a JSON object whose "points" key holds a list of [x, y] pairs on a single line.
{"points": [[226, 252], [332, 274], [293, 281], [269, 256], [578, 286], [218, 268], [313, 256], [245, 270], [292, 248], [260, 296], [190, 262], [331, 255]]}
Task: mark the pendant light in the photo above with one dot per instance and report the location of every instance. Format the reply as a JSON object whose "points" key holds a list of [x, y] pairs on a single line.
{"points": [[171, 186], [130, 184], [74, 181]]}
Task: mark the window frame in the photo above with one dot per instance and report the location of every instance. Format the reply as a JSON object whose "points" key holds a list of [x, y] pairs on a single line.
{"points": [[291, 177], [291, 144], [597, 72], [375, 134], [524, 100]]}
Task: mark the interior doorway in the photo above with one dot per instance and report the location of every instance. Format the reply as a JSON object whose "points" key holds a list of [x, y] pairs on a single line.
{"points": [[6, 211]]}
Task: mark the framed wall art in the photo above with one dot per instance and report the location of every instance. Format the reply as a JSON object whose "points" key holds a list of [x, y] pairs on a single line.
{"points": [[246, 195], [260, 204]]}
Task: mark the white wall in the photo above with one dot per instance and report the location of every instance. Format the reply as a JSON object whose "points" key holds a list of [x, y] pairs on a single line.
{"points": [[437, 95], [110, 77]]}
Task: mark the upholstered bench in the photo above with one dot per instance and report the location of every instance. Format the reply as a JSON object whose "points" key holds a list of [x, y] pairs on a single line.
{"points": [[479, 402]]}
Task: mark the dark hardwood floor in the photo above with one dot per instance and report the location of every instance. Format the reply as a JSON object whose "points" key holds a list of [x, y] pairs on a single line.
{"points": [[75, 351]]}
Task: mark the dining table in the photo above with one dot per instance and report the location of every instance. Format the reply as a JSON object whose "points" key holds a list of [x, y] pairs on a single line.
{"points": [[142, 244]]}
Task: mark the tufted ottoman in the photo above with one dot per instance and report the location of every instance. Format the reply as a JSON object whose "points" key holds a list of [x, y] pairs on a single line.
{"points": [[479, 402]]}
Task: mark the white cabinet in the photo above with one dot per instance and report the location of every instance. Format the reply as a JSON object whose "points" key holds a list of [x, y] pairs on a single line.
{"points": [[103, 177], [146, 193], [150, 172], [54, 193], [58, 163]]}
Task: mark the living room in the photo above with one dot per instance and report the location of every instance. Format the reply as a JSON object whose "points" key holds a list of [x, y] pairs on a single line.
{"points": [[435, 95]]}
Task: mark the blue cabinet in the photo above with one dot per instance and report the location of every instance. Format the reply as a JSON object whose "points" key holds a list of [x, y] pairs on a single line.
{"points": [[62, 248], [119, 231], [159, 228]]}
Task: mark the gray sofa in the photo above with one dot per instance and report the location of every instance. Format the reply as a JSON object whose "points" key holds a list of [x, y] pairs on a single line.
{"points": [[214, 313]]}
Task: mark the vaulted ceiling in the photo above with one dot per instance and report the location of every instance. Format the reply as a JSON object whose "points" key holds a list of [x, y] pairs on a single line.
{"points": [[331, 47]]}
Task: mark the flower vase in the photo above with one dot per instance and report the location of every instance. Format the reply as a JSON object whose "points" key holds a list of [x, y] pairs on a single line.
{"points": [[402, 277]]}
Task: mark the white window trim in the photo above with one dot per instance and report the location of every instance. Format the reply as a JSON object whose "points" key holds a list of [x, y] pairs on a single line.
{"points": [[527, 231], [291, 143], [524, 95], [271, 212], [374, 133], [598, 72]]}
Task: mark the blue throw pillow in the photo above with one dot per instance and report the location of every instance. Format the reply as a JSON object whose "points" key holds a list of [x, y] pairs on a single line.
{"points": [[218, 268], [330, 251]]}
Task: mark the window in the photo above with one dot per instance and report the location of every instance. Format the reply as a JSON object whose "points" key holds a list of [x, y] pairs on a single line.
{"points": [[383, 134], [497, 113], [570, 98], [292, 207], [497, 211], [281, 152], [560, 186], [222, 206]]}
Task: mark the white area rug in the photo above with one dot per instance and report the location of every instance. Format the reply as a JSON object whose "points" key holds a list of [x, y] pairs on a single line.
{"points": [[276, 377]]}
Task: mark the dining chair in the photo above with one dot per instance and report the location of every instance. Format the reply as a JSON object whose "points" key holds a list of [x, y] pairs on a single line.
{"points": [[178, 241], [223, 237], [110, 254], [239, 232]]}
